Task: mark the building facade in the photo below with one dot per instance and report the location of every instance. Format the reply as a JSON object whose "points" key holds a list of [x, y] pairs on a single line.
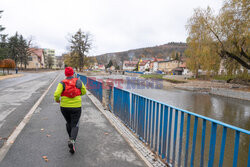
{"points": [[36, 59], [144, 65], [169, 65], [49, 53], [129, 65], [59, 62]]}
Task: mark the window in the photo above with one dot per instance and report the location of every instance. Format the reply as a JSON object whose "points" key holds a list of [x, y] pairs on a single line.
{"points": [[30, 58]]}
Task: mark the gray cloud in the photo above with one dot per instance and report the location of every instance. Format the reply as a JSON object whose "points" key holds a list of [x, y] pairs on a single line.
{"points": [[116, 25]]}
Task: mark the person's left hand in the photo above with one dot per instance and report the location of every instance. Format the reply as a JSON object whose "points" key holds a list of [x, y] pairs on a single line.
{"points": [[58, 101]]}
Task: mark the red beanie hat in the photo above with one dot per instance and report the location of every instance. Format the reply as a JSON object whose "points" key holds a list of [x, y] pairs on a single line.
{"points": [[69, 71]]}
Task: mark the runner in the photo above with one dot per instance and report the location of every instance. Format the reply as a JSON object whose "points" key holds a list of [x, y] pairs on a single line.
{"points": [[70, 91]]}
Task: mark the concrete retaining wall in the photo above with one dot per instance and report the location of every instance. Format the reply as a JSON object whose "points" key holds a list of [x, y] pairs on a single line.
{"points": [[230, 93]]}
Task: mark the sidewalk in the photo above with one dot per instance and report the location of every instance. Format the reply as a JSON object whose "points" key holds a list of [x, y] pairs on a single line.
{"points": [[98, 143], [10, 76]]}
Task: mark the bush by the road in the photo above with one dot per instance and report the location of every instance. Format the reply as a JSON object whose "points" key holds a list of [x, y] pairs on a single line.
{"points": [[7, 64]]}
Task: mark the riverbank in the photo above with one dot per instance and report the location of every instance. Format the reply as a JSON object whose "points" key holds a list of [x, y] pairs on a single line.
{"points": [[237, 91], [216, 88]]}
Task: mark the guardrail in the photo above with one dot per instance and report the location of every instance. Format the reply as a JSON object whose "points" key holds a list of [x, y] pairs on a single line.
{"points": [[95, 87], [167, 131]]}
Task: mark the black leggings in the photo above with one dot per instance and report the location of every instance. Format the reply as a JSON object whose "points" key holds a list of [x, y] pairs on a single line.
{"points": [[72, 116]]}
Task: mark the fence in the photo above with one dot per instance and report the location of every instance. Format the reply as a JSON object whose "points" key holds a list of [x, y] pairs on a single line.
{"points": [[168, 130], [95, 87]]}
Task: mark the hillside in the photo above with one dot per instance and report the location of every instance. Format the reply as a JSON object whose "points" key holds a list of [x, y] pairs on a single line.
{"points": [[162, 51]]}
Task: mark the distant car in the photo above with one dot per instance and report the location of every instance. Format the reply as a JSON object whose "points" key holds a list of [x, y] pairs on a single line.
{"points": [[147, 72], [159, 72]]}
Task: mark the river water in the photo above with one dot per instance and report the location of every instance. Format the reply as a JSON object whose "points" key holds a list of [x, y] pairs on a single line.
{"points": [[228, 110], [232, 111]]}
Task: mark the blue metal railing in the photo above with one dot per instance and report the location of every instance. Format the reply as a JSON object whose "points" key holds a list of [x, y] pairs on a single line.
{"points": [[174, 134], [162, 127], [95, 87]]}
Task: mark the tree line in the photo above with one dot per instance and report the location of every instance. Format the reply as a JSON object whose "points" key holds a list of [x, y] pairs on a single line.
{"points": [[15, 47], [222, 39]]}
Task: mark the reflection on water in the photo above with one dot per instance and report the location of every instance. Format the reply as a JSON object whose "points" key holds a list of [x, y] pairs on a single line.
{"points": [[232, 111]]}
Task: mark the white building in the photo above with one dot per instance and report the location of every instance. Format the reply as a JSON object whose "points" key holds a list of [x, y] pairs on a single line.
{"points": [[129, 65], [144, 65], [47, 53]]}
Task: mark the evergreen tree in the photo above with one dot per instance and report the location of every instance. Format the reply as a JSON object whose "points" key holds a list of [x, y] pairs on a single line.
{"points": [[1, 27], [3, 43]]}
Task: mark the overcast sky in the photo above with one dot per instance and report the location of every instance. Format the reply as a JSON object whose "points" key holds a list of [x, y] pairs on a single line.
{"points": [[115, 25]]}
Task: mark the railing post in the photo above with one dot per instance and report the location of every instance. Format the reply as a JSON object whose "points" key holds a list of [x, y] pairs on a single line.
{"points": [[165, 129], [180, 140], [175, 134], [161, 127], [248, 159], [212, 144], [169, 134], [203, 142], [236, 148], [156, 126], [153, 122], [223, 143], [187, 140], [194, 141]]}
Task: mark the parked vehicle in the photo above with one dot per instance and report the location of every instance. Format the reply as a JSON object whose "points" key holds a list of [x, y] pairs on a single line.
{"points": [[147, 72], [159, 72]]}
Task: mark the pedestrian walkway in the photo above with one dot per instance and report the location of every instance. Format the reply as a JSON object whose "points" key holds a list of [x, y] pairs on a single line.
{"points": [[43, 141]]}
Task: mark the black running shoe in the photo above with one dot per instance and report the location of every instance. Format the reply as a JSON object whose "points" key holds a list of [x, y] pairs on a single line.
{"points": [[72, 146], [69, 143]]}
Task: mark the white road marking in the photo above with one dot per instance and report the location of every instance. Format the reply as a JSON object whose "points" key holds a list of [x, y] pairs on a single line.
{"points": [[19, 128], [4, 114]]}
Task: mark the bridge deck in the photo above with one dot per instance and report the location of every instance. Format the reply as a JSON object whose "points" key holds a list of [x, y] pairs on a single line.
{"points": [[98, 144]]}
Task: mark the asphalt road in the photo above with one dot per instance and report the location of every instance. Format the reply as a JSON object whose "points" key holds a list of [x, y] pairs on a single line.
{"points": [[17, 96], [98, 143]]}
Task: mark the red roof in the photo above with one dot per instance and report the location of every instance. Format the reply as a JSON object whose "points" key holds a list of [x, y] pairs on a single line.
{"points": [[36, 51], [156, 59], [144, 62], [130, 63]]}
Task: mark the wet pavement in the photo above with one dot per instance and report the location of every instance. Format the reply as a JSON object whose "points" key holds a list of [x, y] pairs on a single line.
{"points": [[98, 143], [17, 96]]}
